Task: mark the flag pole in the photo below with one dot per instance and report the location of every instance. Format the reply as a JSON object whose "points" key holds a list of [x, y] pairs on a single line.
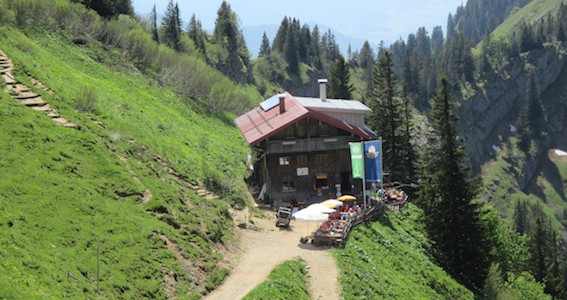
{"points": [[381, 169], [364, 175]]}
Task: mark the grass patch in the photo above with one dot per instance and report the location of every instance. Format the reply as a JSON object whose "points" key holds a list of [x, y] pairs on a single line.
{"points": [[500, 188], [287, 281], [530, 13], [388, 259]]}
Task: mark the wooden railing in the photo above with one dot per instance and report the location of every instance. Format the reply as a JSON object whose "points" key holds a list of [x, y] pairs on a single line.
{"points": [[307, 145]]}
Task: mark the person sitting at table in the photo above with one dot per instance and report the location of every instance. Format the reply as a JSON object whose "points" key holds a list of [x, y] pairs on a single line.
{"points": [[325, 226]]}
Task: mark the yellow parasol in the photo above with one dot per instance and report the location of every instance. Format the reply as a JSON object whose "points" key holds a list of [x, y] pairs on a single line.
{"points": [[347, 198], [332, 203]]}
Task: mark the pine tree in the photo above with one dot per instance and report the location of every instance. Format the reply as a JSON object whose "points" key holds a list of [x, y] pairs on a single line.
{"points": [[291, 49], [279, 43], [521, 217], [386, 118], [446, 195], [409, 154], [171, 25], [153, 19], [196, 34], [532, 122], [265, 48], [315, 49], [339, 82], [235, 60], [437, 40], [304, 42], [366, 62]]}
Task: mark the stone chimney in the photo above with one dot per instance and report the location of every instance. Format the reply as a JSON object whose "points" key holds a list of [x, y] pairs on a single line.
{"points": [[323, 89], [282, 103]]}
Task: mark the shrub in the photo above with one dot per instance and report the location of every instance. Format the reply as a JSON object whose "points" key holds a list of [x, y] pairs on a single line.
{"points": [[87, 101]]}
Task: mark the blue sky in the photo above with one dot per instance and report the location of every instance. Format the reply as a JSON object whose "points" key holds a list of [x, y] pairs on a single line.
{"points": [[372, 20]]}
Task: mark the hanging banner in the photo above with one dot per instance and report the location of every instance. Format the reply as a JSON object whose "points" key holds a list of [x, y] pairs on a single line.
{"points": [[373, 162], [356, 160]]}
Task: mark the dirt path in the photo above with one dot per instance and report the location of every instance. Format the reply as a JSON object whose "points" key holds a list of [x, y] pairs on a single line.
{"points": [[264, 249]]}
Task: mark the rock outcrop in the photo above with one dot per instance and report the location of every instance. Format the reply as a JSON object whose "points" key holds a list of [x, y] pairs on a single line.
{"points": [[485, 114]]}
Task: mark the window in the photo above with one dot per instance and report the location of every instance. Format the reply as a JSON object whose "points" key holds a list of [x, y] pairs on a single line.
{"points": [[288, 186], [284, 160], [321, 159], [290, 132], [302, 129], [302, 160], [313, 127], [321, 181], [323, 129]]}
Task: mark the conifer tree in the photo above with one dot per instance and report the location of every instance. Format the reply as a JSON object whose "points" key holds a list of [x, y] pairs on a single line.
{"points": [[153, 19], [521, 222], [265, 48], [339, 81], [196, 34], [234, 61], [531, 124], [315, 49], [386, 119], [281, 36], [446, 194], [291, 49], [171, 25], [409, 154], [366, 62], [304, 44]]}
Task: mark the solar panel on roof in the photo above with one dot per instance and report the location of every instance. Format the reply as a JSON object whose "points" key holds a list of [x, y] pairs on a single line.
{"points": [[270, 103]]}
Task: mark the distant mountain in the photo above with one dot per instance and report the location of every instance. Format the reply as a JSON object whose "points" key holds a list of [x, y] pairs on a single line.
{"points": [[253, 36]]}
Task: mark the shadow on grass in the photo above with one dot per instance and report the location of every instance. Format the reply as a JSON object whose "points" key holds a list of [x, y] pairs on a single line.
{"points": [[552, 175], [384, 219]]}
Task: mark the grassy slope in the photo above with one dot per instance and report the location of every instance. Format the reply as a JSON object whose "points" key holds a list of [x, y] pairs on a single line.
{"points": [[287, 281], [65, 193], [532, 12], [388, 259], [131, 106]]}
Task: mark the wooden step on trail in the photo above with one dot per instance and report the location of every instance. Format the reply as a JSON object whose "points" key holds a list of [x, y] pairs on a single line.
{"points": [[44, 108], [60, 120], [38, 101], [18, 87], [53, 114], [8, 78], [26, 95]]}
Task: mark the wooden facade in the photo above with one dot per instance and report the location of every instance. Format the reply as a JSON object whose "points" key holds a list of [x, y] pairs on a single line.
{"points": [[308, 160], [303, 147]]}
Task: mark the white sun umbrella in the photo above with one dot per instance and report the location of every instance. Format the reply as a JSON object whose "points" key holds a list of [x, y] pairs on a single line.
{"points": [[320, 208], [310, 215], [313, 213]]}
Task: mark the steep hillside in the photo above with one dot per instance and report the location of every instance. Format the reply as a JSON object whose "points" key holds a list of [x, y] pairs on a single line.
{"points": [[490, 116], [532, 12], [115, 208], [390, 259]]}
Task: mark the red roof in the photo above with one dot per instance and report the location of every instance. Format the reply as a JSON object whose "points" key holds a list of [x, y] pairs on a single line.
{"points": [[257, 124]]}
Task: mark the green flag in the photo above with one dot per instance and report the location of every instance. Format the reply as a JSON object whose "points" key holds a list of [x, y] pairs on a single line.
{"points": [[356, 151]]}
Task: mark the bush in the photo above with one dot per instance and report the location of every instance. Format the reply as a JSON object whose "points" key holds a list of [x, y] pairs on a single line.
{"points": [[87, 101]]}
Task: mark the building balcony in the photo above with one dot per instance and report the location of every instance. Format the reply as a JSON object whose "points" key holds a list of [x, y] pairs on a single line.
{"points": [[309, 144]]}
